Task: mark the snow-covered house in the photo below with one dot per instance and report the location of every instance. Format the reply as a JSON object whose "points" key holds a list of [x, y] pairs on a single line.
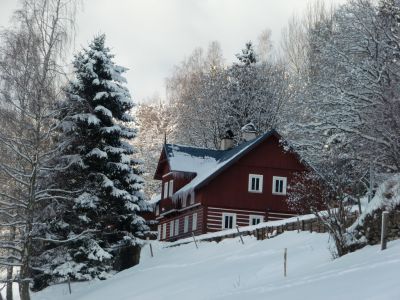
{"points": [[205, 190]]}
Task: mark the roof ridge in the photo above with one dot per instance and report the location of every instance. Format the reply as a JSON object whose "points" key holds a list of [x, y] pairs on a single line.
{"points": [[195, 147]]}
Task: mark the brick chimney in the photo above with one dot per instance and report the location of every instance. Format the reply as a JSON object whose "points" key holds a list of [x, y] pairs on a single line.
{"points": [[227, 140]]}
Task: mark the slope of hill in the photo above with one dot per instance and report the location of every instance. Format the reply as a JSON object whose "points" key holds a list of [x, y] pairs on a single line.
{"points": [[230, 270]]}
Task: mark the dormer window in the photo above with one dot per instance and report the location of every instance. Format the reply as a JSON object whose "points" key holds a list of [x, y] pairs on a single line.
{"points": [[171, 188], [165, 189], [157, 209]]}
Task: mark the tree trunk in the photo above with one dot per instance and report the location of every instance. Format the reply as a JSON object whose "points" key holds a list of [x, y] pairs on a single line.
{"points": [[9, 292], [26, 257], [24, 290], [24, 274]]}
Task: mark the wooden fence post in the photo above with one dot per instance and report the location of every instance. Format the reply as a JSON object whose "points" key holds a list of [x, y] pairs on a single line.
{"points": [[385, 219], [151, 248], [195, 242], [298, 225], [240, 234], [284, 262], [69, 285]]}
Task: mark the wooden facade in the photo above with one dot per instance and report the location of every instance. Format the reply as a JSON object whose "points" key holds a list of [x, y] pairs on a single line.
{"points": [[244, 186]]}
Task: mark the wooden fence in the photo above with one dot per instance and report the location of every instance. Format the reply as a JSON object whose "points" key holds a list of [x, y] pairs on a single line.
{"points": [[268, 231]]}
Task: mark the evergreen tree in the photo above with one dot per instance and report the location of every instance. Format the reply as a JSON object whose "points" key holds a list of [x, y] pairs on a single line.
{"points": [[248, 55], [102, 221], [254, 92]]}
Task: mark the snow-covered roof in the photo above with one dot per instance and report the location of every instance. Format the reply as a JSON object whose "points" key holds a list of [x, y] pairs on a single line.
{"points": [[206, 163], [191, 159]]}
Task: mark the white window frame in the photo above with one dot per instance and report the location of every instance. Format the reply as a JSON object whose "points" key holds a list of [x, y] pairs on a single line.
{"points": [[186, 224], [171, 228], [233, 215], [165, 189], [191, 198], [260, 186], [276, 178], [164, 231], [159, 231], [171, 188], [157, 209], [176, 226], [255, 217], [194, 222]]}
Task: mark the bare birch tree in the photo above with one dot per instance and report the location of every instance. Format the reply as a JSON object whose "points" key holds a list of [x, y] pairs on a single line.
{"points": [[31, 77]]}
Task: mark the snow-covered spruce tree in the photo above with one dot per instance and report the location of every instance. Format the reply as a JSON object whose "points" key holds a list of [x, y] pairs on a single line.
{"points": [[248, 55], [101, 229]]}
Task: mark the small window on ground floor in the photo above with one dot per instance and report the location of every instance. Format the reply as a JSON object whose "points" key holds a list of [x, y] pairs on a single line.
{"points": [[171, 228], [177, 227], [194, 222], [164, 231], [228, 221], [254, 219], [186, 224]]}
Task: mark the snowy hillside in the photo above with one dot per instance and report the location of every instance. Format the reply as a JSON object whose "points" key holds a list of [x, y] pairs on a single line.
{"points": [[230, 270]]}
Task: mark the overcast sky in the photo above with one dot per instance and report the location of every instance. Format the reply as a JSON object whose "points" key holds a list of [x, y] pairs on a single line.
{"points": [[150, 36]]}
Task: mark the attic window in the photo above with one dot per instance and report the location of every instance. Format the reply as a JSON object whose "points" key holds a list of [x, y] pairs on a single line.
{"points": [[255, 183], [183, 202], [279, 185], [190, 199], [165, 189], [171, 188]]}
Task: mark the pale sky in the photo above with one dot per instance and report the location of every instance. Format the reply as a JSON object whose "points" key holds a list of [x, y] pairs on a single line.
{"points": [[151, 36]]}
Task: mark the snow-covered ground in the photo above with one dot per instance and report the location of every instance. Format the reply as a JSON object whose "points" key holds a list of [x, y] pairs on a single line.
{"points": [[230, 270]]}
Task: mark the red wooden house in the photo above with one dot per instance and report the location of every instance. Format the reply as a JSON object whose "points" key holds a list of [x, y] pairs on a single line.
{"points": [[205, 190]]}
